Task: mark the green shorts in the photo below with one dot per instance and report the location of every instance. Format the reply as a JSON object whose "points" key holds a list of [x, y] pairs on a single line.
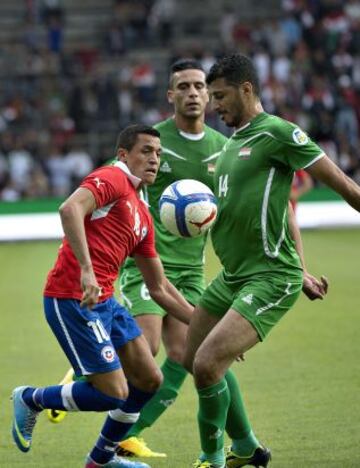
{"points": [[135, 295], [261, 299]]}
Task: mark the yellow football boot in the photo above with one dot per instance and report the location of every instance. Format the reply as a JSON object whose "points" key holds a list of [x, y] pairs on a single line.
{"points": [[136, 447]]}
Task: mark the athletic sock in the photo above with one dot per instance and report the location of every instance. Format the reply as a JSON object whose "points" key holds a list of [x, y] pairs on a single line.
{"points": [[217, 458], [238, 426], [174, 376], [117, 425], [74, 396], [213, 407]]}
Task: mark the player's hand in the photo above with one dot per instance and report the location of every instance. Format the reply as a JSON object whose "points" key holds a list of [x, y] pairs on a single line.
{"points": [[90, 287], [314, 288]]}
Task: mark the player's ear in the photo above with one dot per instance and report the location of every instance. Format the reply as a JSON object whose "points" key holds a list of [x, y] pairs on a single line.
{"points": [[170, 96], [122, 154], [207, 96], [246, 88]]}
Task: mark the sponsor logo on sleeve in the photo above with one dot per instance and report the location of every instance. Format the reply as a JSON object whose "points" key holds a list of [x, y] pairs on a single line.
{"points": [[98, 182], [300, 137]]}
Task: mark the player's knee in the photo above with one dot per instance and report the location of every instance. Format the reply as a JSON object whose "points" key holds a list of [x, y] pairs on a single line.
{"points": [[155, 381], [187, 363], [176, 355], [204, 370], [150, 382], [154, 347]]}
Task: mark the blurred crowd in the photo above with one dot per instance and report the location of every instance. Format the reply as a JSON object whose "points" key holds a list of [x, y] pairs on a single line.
{"points": [[61, 108]]}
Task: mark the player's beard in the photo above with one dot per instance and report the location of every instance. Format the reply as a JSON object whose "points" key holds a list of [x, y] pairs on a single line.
{"points": [[238, 113]]}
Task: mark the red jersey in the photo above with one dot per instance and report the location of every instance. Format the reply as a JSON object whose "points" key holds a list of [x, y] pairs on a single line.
{"points": [[297, 182], [120, 226]]}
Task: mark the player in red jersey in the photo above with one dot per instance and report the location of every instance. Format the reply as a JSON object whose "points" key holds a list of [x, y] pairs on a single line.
{"points": [[302, 183], [104, 221]]}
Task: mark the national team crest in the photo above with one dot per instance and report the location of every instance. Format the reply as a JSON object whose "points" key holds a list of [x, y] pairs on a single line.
{"points": [[211, 168], [245, 153], [300, 137], [108, 353]]}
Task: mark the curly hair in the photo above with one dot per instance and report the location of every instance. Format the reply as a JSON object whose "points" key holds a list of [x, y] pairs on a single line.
{"points": [[235, 69]]}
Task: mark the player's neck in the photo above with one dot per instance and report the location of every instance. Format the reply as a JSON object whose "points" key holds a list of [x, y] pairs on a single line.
{"points": [[194, 126], [250, 113]]}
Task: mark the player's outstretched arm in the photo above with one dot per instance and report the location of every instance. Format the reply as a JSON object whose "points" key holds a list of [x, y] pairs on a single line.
{"points": [[331, 175], [72, 214], [312, 287], [161, 290]]}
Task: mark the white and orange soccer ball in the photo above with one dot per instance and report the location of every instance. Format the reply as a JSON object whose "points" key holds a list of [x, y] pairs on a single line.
{"points": [[187, 208]]}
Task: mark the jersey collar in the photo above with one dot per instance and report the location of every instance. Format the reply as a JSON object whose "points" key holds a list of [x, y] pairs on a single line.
{"points": [[192, 136], [136, 181], [255, 119]]}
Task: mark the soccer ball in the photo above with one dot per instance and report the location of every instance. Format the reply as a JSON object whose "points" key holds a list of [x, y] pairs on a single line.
{"points": [[187, 208]]}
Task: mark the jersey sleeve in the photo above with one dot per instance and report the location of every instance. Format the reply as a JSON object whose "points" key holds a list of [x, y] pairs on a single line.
{"points": [[296, 150], [146, 248], [106, 184]]}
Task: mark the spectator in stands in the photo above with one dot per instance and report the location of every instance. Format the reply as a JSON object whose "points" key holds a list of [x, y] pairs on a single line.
{"points": [[21, 164], [78, 163], [58, 171], [308, 59]]}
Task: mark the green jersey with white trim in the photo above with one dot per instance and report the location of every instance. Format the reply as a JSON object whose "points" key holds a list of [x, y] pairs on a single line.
{"points": [[182, 157], [253, 178]]}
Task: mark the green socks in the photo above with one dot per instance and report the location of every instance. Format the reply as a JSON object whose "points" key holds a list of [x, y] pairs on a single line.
{"points": [[174, 376], [213, 407], [238, 426]]}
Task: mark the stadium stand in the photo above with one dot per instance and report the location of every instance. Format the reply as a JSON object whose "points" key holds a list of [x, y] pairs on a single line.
{"points": [[75, 72]]}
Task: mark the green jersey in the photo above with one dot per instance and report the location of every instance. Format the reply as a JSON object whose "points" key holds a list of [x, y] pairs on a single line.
{"points": [[253, 178], [182, 157]]}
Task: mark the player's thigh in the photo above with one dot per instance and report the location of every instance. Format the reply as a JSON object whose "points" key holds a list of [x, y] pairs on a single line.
{"points": [[139, 364], [83, 334], [230, 337], [151, 326], [213, 305], [202, 322], [135, 295]]}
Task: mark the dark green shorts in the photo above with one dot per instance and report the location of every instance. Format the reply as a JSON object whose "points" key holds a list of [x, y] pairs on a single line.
{"points": [[262, 299], [135, 295]]}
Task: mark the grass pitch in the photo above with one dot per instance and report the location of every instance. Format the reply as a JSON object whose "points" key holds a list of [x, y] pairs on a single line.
{"points": [[302, 386]]}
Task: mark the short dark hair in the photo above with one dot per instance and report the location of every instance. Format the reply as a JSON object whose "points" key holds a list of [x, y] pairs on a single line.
{"points": [[128, 136], [235, 69], [183, 64]]}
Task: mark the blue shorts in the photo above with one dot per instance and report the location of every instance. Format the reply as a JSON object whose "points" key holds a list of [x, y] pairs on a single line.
{"points": [[90, 338]]}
